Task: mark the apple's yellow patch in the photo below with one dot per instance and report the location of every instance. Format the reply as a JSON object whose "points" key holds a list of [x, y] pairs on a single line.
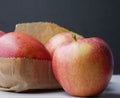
{"points": [[85, 49]]}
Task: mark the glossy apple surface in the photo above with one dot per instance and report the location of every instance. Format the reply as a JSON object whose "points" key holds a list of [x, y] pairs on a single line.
{"points": [[83, 67], [60, 39], [21, 45]]}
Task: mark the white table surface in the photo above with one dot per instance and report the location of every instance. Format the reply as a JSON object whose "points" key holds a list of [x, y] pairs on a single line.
{"points": [[112, 91]]}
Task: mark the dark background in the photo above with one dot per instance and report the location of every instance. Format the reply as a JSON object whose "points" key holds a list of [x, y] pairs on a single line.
{"points": [[99, 18]]}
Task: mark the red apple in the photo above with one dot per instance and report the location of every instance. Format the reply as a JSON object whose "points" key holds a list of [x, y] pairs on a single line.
{"points": [[24, 64], [83, 67], [58, 40], [1, 33], [22, 45]]}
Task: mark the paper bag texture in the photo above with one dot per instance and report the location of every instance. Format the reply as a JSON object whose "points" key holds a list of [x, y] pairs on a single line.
{"points": [[21, 74], [42, 31]]}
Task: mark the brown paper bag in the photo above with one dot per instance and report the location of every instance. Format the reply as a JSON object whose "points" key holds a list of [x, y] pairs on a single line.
{"points": [[21, 74], [42, 31]]}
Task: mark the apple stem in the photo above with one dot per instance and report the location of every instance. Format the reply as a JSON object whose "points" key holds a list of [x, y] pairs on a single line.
{"points": [[74, 37]]}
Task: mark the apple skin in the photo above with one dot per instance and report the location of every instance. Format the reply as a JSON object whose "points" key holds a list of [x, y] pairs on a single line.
{"points": [[15, 44], [60, 39], [83, 67], [1, 33]]}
